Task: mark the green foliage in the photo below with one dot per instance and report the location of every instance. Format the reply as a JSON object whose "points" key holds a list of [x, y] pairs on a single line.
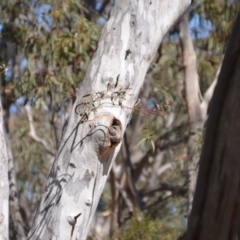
{"points": [[31, 162], [144, 227], [57, 55], [147, 138], [210, 51], [167, 89]]}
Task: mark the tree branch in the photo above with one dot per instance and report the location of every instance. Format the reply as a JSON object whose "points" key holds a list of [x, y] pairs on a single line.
{"points": [[192, 90], [129, 172], [193, 101], [33, 134], [208, 95], [158, 145], [167, 187], [115, 200]]}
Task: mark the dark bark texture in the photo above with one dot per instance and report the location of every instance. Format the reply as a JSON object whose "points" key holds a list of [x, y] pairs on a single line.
{"points": [[216, 205]]}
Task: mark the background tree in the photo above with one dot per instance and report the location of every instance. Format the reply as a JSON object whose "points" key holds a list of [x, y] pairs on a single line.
{"points": [[99, 116], [150, 174], [217, 192]]}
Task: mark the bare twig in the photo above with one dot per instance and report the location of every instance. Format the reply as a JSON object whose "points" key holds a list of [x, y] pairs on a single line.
{"points": [[140, 117], [115, 200], [144, 159], [138, 156], [124, 199], [178, 190], [160, 200], [164, 168], [129, 172], [104, 5], [127, 201]]}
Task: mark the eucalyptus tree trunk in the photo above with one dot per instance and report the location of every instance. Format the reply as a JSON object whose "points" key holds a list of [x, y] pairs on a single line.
{"points": [[4, 185], [216, 205], [103, 108], [193, 101], [196, 104]]}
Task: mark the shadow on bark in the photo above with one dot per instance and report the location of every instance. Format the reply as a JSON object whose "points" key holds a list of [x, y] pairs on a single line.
{"points": [[59, 176]]}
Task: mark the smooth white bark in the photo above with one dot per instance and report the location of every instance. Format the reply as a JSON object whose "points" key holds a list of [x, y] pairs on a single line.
{"points": [[208, 95], [102, 110], [4, 185], [193, 101]]}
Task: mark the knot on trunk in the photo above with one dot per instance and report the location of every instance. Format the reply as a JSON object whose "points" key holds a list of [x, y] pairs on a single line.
{"points": [[108, 134]]}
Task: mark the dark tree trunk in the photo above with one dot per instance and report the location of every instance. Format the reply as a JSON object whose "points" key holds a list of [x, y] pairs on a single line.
{"points": [[216, 205]]}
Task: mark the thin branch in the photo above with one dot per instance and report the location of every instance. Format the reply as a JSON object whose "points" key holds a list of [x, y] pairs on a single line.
{"points": [[173, 143], [54, 129], [33, 134], [139, 120], [153, 177], [126, 198], [104, 5], [129, 172], [208, 95], [160, 200], [178, 190], [139, 156], [144, 160], [164, 168], [115, 200]]}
